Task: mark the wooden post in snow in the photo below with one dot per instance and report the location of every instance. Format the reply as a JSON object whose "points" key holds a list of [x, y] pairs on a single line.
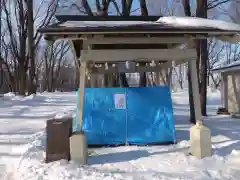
{"points": [[83, 68], [78, 142], [200, 135]]}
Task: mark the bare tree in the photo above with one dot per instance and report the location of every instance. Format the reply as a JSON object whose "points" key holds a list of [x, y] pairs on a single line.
{"points": [[17, 38], [1, 58], [53, 59], [102, 9], [164, 8], [10, 65], [232, 53], [19, 22], [203, 6], [122, 8], [187, 11], [30, 34], [179, 74], [48, 8], [215, 55], [211, 4]]}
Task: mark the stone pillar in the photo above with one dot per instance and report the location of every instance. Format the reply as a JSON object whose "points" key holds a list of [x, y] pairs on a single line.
{"points": [[200, 135]]}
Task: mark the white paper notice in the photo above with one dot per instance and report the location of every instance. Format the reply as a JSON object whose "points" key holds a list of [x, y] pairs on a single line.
{"points": [[120, 101]]}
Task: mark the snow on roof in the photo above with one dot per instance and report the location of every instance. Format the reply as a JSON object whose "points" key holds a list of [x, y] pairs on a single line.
{"points": [[234, 66], [173, 21], [199, 22], [102, 23], [169, 20], [170, 24]]}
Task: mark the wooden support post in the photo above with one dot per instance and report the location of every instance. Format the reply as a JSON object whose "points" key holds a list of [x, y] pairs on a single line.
{"points": [[222, 89], [195, 87], [225, 90], [78, 143], [140, 55], [82, 84], [200, 135]]}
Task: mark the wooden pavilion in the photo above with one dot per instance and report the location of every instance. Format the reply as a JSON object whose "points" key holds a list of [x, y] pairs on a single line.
{"points": [[100, 43]]}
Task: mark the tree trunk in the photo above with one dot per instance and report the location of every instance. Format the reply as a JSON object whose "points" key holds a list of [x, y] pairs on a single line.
{"points": [[203, 75], [22, 80], [187, 11], [30, 27], [1, 58], [77, 74], [190, 96], [202, 12], [144, 12]]}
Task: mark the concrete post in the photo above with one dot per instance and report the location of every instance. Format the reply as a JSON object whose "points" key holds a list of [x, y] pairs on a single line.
{"points": [[200, 135]]}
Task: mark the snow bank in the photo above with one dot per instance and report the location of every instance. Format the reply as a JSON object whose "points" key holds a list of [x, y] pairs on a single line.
{"points": [[133, 163], [181, 97], [23, 147], [65, 114], [10, 94]]}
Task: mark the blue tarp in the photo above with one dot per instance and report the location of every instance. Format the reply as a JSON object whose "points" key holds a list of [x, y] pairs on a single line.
{"points": [[147, 118]]}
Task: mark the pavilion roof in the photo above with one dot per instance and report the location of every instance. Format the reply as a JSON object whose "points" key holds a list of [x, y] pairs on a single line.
{"points": [[161, 27]]}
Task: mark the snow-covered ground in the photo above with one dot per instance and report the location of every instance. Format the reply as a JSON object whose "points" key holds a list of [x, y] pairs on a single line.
{"points": [[22, 145]]}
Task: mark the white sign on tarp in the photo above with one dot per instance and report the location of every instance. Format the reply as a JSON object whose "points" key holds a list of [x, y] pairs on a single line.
{"points": [[120, 101]]}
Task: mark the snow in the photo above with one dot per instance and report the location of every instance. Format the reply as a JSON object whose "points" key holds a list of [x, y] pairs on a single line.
{"points": [[169, 20], [102, 23], [199, 22], [22, 145]]}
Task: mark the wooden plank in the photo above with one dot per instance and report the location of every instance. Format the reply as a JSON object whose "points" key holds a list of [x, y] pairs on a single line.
{"points": [[82, 90], [130, 46], [61, 31], [195, 89], [137, 40], [139, 55]]}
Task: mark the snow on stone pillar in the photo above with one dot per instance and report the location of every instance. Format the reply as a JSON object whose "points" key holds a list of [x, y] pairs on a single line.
{"points": [[200, 135]]}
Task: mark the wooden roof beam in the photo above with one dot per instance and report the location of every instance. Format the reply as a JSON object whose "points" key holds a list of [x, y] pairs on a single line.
{"points": [[138, 40], [138, 55]]}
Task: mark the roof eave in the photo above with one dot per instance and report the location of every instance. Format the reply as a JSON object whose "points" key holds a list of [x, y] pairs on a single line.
{"points": [[227, 69], [62, 17], [137, 29]]}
